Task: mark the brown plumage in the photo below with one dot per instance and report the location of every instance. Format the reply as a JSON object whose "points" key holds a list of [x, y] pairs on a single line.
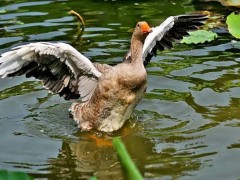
{"points": [[117, 93]]}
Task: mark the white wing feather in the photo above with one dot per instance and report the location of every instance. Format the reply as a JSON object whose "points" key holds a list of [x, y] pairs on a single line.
{"points": [[171, 30], [156, 35], [56, 57]]}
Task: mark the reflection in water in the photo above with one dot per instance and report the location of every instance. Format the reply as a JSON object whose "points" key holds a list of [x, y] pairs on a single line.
{"points": [[85, 158]]}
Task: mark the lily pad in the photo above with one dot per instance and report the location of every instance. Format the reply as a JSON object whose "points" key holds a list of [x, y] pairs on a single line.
{"points": [[3, 11], [229, 2], [233, 22], [199, 36]]}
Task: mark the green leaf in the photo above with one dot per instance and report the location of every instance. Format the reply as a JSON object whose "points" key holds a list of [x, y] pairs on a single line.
{"points": [[7, 175], [199, 36], [3, 11], [93, 178], [233, 22], [127, 163]]}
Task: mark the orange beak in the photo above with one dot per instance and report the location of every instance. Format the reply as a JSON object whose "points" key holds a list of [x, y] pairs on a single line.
{"points": [[146, 28]]}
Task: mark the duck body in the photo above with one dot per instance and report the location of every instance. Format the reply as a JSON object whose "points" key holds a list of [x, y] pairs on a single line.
{"points": [[119, 90]]}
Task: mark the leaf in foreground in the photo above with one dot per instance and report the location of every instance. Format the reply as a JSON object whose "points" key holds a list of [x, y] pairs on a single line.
{"points": [[233, 22], [199, 36], [93, 178], [7, 175], [127, 163]]}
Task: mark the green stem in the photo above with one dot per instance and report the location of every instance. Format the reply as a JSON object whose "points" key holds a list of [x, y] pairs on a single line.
{"points": [[127, 163]]}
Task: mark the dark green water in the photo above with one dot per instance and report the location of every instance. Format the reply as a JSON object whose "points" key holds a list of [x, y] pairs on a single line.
{"points": [[186, 127]]}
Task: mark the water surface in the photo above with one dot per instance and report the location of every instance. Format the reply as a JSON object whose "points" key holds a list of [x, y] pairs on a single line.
{"points": [[186, 126]]}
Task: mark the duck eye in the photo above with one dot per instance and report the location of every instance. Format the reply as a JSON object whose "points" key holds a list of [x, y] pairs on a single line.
{"points": [[138, 25]]}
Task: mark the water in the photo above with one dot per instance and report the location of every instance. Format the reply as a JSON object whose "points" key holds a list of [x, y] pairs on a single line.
{"points": [[186, 126]]}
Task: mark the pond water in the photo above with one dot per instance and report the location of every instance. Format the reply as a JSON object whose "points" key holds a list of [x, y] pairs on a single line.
{"points": [[187, 126]]}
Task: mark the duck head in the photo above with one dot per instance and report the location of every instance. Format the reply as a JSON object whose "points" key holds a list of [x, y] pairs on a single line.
{"points": [[141, 30]]}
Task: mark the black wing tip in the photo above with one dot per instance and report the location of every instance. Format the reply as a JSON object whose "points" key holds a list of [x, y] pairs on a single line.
{"points": [[182, 25], [193, 17], [67, 95]]}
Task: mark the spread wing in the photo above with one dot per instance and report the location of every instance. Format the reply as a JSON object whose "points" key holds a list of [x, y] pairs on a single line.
{"points": [[61, 68], [171, 30]]}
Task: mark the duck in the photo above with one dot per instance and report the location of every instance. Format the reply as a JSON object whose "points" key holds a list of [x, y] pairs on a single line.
{"points": [[104, 96]]}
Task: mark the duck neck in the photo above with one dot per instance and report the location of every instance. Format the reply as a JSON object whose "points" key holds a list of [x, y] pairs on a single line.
{"points": [[136, 50]]}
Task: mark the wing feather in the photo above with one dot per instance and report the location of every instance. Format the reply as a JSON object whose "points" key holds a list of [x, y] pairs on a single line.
{"points": [[172, 29], [58, 65]]}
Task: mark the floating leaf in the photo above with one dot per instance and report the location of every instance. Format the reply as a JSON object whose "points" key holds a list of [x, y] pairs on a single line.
{"points": [[233, 22], [3, 11], [235, 44], [126, 161], [199, 36], [229, 2], [7, 175]]}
